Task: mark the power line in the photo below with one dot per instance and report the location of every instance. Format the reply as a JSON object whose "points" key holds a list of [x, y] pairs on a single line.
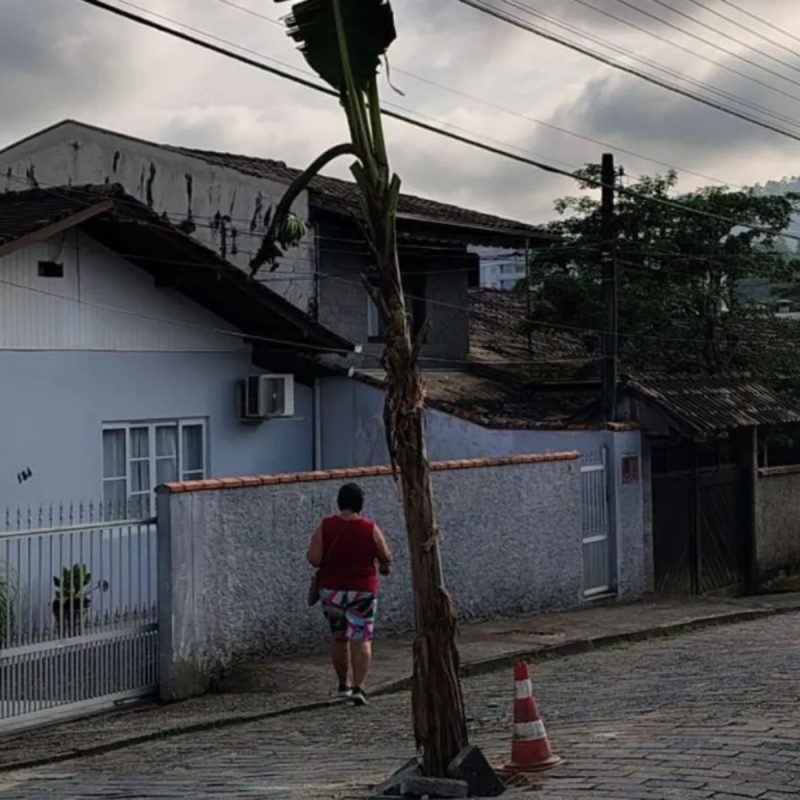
{"points": [[626, 53], [742, 26], [763, 21], [511, 112], [441, 131], [531, 28], [256, 337], [694, 53], [271, 340], [707, 42], [578, 329]]}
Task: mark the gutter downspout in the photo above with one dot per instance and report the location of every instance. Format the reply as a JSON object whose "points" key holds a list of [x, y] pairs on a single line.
{"points": [[316, 413]]}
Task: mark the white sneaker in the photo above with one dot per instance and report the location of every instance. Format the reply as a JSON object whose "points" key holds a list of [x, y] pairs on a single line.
{"points": [[345, 692], [358, 697]]}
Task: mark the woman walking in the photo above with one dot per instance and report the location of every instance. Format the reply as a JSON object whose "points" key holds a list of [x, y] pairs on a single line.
{"points": [[345, 549]]}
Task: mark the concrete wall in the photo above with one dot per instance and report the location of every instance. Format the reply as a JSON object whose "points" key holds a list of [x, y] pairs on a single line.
{"points": [[778, 520], [221, 207], [233, 577], [53, 406], [344, 302], [353, 435]]}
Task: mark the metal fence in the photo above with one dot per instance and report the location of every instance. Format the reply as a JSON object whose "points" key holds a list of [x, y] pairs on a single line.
{"points": [[597, 569], [78, 612]]}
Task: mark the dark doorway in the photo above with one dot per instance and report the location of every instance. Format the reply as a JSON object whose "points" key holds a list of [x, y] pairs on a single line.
{"points": [[701, 525]]}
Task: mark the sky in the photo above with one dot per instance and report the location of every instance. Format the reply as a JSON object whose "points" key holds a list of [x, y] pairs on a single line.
{"points": [[453, 64]]}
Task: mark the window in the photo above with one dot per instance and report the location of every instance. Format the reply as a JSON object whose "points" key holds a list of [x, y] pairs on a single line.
{"points": [[51, 269], [137, 457], [376, 329], [415, 309]]}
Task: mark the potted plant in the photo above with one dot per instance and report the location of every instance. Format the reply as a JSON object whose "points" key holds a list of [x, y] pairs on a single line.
{"points": [[73, 595]]}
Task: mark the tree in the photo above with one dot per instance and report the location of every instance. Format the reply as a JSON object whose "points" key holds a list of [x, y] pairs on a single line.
{"points": [[343, 41], [691, 284]]}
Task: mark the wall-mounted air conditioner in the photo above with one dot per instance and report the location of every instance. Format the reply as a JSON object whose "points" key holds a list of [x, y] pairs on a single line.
{"points": [[266, 397]]}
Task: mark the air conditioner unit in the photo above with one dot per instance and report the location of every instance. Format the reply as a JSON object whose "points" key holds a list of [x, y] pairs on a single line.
{"points": [[266, 397]]}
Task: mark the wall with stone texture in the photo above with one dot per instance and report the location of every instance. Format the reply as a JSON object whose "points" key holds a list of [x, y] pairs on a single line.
{"points": [[353, 435], [778, 520], [233, 577]]}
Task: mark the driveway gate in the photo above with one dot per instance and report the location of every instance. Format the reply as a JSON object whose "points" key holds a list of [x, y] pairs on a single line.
{"points": [[598, 571], [78, 615]]}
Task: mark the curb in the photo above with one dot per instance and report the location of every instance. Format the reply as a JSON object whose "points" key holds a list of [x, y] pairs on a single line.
{"points": [[471, 669]]}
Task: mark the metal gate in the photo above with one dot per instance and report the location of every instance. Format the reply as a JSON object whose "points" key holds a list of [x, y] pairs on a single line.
{"points": [[700, 532], [78, 615], [598, 573]]}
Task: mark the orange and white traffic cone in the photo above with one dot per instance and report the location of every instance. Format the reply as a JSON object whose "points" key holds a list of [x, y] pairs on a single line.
{"points": [[530, 747]]}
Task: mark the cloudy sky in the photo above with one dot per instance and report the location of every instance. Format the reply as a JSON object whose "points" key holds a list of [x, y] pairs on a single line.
{"points": [[63, 58]]}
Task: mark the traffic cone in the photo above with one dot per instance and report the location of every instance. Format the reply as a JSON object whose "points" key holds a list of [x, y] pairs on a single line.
{"points": [[530, 747]]}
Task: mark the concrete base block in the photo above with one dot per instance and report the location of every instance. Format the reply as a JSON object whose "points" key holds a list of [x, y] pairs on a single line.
{"points": [[391, 786], [420, 786], [471, 766]]}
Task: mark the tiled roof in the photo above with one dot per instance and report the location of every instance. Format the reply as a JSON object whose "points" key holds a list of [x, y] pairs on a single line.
{"points": [[22, 213], [707, 404], [503, 345], [338, 195], [251, 481], [495, 403]]}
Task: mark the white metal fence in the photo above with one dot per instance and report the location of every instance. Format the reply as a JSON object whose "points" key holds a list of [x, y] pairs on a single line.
{"points": [[78, 613], [598, 576]]}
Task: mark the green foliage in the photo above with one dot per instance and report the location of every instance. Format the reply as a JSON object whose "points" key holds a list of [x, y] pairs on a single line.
{"points": [[681, 274], [370, 31], [72, 584]]}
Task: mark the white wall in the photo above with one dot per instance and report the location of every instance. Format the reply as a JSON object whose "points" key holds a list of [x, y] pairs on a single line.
{"points": [[102, 303], [72, 359], [183, 186], [53, 406]]}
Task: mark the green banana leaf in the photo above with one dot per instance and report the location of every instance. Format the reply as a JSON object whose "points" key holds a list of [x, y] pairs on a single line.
{"points": [[369, 27]]}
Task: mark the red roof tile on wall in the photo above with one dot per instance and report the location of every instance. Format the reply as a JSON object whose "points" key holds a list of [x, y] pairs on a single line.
{"points": [[359, 472]]}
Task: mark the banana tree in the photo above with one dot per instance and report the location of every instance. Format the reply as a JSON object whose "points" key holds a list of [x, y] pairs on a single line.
{"points": [[343, 41]]}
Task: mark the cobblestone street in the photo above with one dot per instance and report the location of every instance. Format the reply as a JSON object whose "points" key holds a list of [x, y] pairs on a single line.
{"points": [[712, 714]]}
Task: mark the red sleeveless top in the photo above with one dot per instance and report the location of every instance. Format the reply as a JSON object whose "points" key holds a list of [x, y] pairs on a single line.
{"points": [[348, 555]]}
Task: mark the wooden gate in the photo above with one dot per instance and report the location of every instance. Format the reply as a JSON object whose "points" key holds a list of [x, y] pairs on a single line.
{"points": [[701, 531]]}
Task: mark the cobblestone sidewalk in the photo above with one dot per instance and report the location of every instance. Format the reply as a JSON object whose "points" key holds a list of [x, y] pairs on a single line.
{"points": [[278, 685], [712, 714]]}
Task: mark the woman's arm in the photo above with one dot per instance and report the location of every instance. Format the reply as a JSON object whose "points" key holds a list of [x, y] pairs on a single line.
{"points": [[314, 554], [384, 554]]}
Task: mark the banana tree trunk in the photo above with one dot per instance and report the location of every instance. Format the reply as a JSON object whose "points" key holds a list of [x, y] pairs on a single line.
{"points": [[437, 701]]}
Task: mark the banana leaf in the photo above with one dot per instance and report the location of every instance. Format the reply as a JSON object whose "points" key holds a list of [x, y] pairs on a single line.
{"points": [[369, 28]]}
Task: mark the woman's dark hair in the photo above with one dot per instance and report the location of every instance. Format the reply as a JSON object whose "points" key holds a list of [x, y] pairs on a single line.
{"points": [[351, 498]]}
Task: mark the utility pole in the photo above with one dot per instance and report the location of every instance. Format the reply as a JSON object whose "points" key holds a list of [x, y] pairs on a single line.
{"points": [[608, 262]]}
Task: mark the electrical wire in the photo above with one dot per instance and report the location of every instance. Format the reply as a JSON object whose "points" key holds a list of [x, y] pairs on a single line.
{"points": [[719, 64], [718, 32], [763, 21], [511, 112], [743, 27], [627, 54], [544, 34], [442, 132]]}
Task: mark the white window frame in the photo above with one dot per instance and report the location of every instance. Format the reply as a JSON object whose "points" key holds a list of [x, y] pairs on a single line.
{"points": [[182, 474]]}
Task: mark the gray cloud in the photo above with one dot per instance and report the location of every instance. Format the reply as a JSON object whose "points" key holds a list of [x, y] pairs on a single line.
{"points": [[64, 59]]}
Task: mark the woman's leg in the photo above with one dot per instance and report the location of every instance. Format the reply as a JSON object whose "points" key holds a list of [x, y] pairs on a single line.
{"points": [[340, 656], [333, 606], [360, 628], [361, 655]]}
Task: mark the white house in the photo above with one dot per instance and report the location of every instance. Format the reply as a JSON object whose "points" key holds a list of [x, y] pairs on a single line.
{"points": [[123, 342]]}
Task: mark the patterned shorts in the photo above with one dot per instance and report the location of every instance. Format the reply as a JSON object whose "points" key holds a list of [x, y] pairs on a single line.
{"points": [[351, 615]]}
